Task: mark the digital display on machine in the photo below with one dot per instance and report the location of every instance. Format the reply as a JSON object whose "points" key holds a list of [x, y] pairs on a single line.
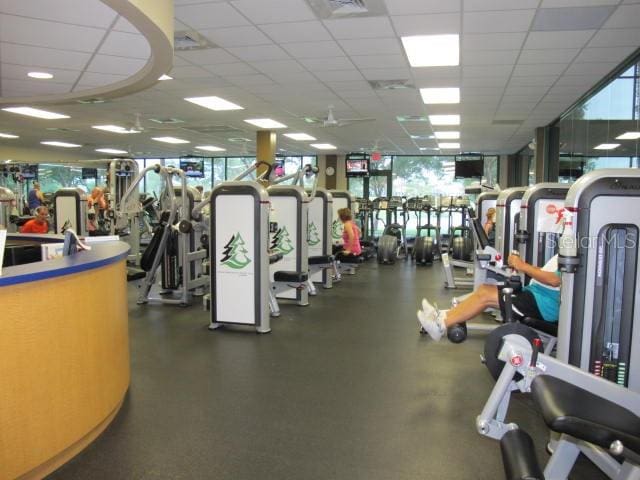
{"points": [[30, 171], [89, 173], [357, 166], [192, 168], [469, 168]]}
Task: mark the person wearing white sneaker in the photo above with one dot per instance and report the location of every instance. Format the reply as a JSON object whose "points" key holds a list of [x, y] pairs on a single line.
{"points": [[540, 299]]}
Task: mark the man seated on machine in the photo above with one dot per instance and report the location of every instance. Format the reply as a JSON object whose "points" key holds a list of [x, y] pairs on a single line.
{"points": [[39, 224], [540, 299]]}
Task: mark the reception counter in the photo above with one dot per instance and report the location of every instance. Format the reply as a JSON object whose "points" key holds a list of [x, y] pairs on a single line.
{"points": [[64, 356]]}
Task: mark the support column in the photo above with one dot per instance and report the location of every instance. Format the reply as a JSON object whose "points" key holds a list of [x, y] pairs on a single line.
{"points": [[331, 161], [265, 147], [511, 171], [547, 154]]}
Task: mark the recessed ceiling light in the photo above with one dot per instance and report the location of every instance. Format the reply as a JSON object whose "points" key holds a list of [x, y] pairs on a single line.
{"points": [[323, 146], [34, 112], [448, 145], [8, 135], [170, 140], [629, 136], [266, 123], [211, 148], [55, 143], [440, 95], [447, 135], [432, 50], [165, 77], [444, 119], [113, 151], [607, 146], [214, 103], [300, 136], [422, 149], [114, 129], [40, 75]]}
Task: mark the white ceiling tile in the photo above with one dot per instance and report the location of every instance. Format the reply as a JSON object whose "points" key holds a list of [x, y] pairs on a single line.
{"points": [[86, 13], [527, 97], [533, 81], [211, 56], [313, 49], [357, 94], [126, 45], [413, 7], [124, 25], [42, 57], [236, 36], [483, 82], [19, 72], [540, 69], [302, 78], [567, 90], [259, 11], [116, 65], [259, 52], [624, 37], [190, 71], [282, 66], [566, 39], [312, 31], [372, 46], [584, 81], [612, 54], [476, 5], [380, 61], [548, 56], [365, 27], [89, 79], [225, 69], [487, 71], [513, 91], [28, 31], [434, 24], [439, 73], [339, 75], [600, 69], [245, 80], [489, 57], [493, 41], [329, 63], [501, 21], [571, 18], [350, 87], [626, 16], [209, 15], [21, 88], [576, 3], [471, 92], [386, 73]]}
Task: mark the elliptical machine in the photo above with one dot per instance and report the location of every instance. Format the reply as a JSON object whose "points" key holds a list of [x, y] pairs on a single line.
{"points": [[393, 242]]}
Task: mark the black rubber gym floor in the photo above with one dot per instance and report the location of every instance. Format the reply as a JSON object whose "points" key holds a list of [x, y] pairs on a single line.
{"points": [[344, 389]]}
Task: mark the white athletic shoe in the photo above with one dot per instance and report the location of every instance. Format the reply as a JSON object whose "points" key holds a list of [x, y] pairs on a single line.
{"points": [[432, 323], [428, 309]]}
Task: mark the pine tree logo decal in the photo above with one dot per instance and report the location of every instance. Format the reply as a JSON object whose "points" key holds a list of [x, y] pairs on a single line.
{"points": [[312, 234], [281, 242], [336, 229], [235, 253]]}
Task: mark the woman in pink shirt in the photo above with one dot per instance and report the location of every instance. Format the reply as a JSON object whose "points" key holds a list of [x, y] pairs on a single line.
{"points": [[350, 234]]}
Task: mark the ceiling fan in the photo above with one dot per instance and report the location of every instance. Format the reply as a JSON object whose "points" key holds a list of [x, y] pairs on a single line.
{"points": [[331, 121]]}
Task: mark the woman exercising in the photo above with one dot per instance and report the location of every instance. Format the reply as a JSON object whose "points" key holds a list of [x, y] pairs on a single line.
{"points": [[539, 299], [350, 234], [490, 226]]}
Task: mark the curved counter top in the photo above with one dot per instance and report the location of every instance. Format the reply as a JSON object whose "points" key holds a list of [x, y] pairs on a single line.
{"points": [[64, 356]]}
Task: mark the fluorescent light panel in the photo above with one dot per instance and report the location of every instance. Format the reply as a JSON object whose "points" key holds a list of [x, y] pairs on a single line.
{"points": [[34, 112], [444, 119], [300, 137], [211, 148], [113, 151], [266, 123], [40, 75], [606, 146], [323, 146], [114, 129], [8, 135], [55, 143], [629, 136], [447, 135], [432, 50], [214, 103], [170, 140], [448, 145], [440, 95], [165, 77]]}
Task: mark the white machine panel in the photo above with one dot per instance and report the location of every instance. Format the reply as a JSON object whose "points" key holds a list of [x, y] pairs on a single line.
{"points": [[284, 211], [315, 233], [67, 210], [336, 225]]}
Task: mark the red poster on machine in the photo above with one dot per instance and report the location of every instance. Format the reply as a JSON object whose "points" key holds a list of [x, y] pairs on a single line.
{"points": [[376, 156]]}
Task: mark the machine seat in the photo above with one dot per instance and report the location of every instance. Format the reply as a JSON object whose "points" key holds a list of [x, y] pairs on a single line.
{"points": [[275, 257], [321, 259], [583, 415], [350, 259], [542, 325], [290, 276]]}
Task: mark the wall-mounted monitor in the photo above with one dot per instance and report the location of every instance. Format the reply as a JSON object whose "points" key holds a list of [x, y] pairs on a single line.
{"points": [[89, 173], [30, 172], [469, 166], [192, 167], [357, 165]]}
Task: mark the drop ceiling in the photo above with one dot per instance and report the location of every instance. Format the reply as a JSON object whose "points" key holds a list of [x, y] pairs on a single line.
{"points": [[522, 63]]}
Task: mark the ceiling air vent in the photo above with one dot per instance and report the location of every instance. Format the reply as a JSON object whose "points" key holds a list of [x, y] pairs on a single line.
{"points": [[190, 40], [347, 8], [390, 84]]}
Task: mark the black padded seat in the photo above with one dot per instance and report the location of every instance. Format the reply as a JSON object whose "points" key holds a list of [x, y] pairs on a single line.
{"points": [[290, 276], [542, 325], [584, 415], [321, 259], [276, 257], [135, 275], [350, 259], [519, 456]]}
